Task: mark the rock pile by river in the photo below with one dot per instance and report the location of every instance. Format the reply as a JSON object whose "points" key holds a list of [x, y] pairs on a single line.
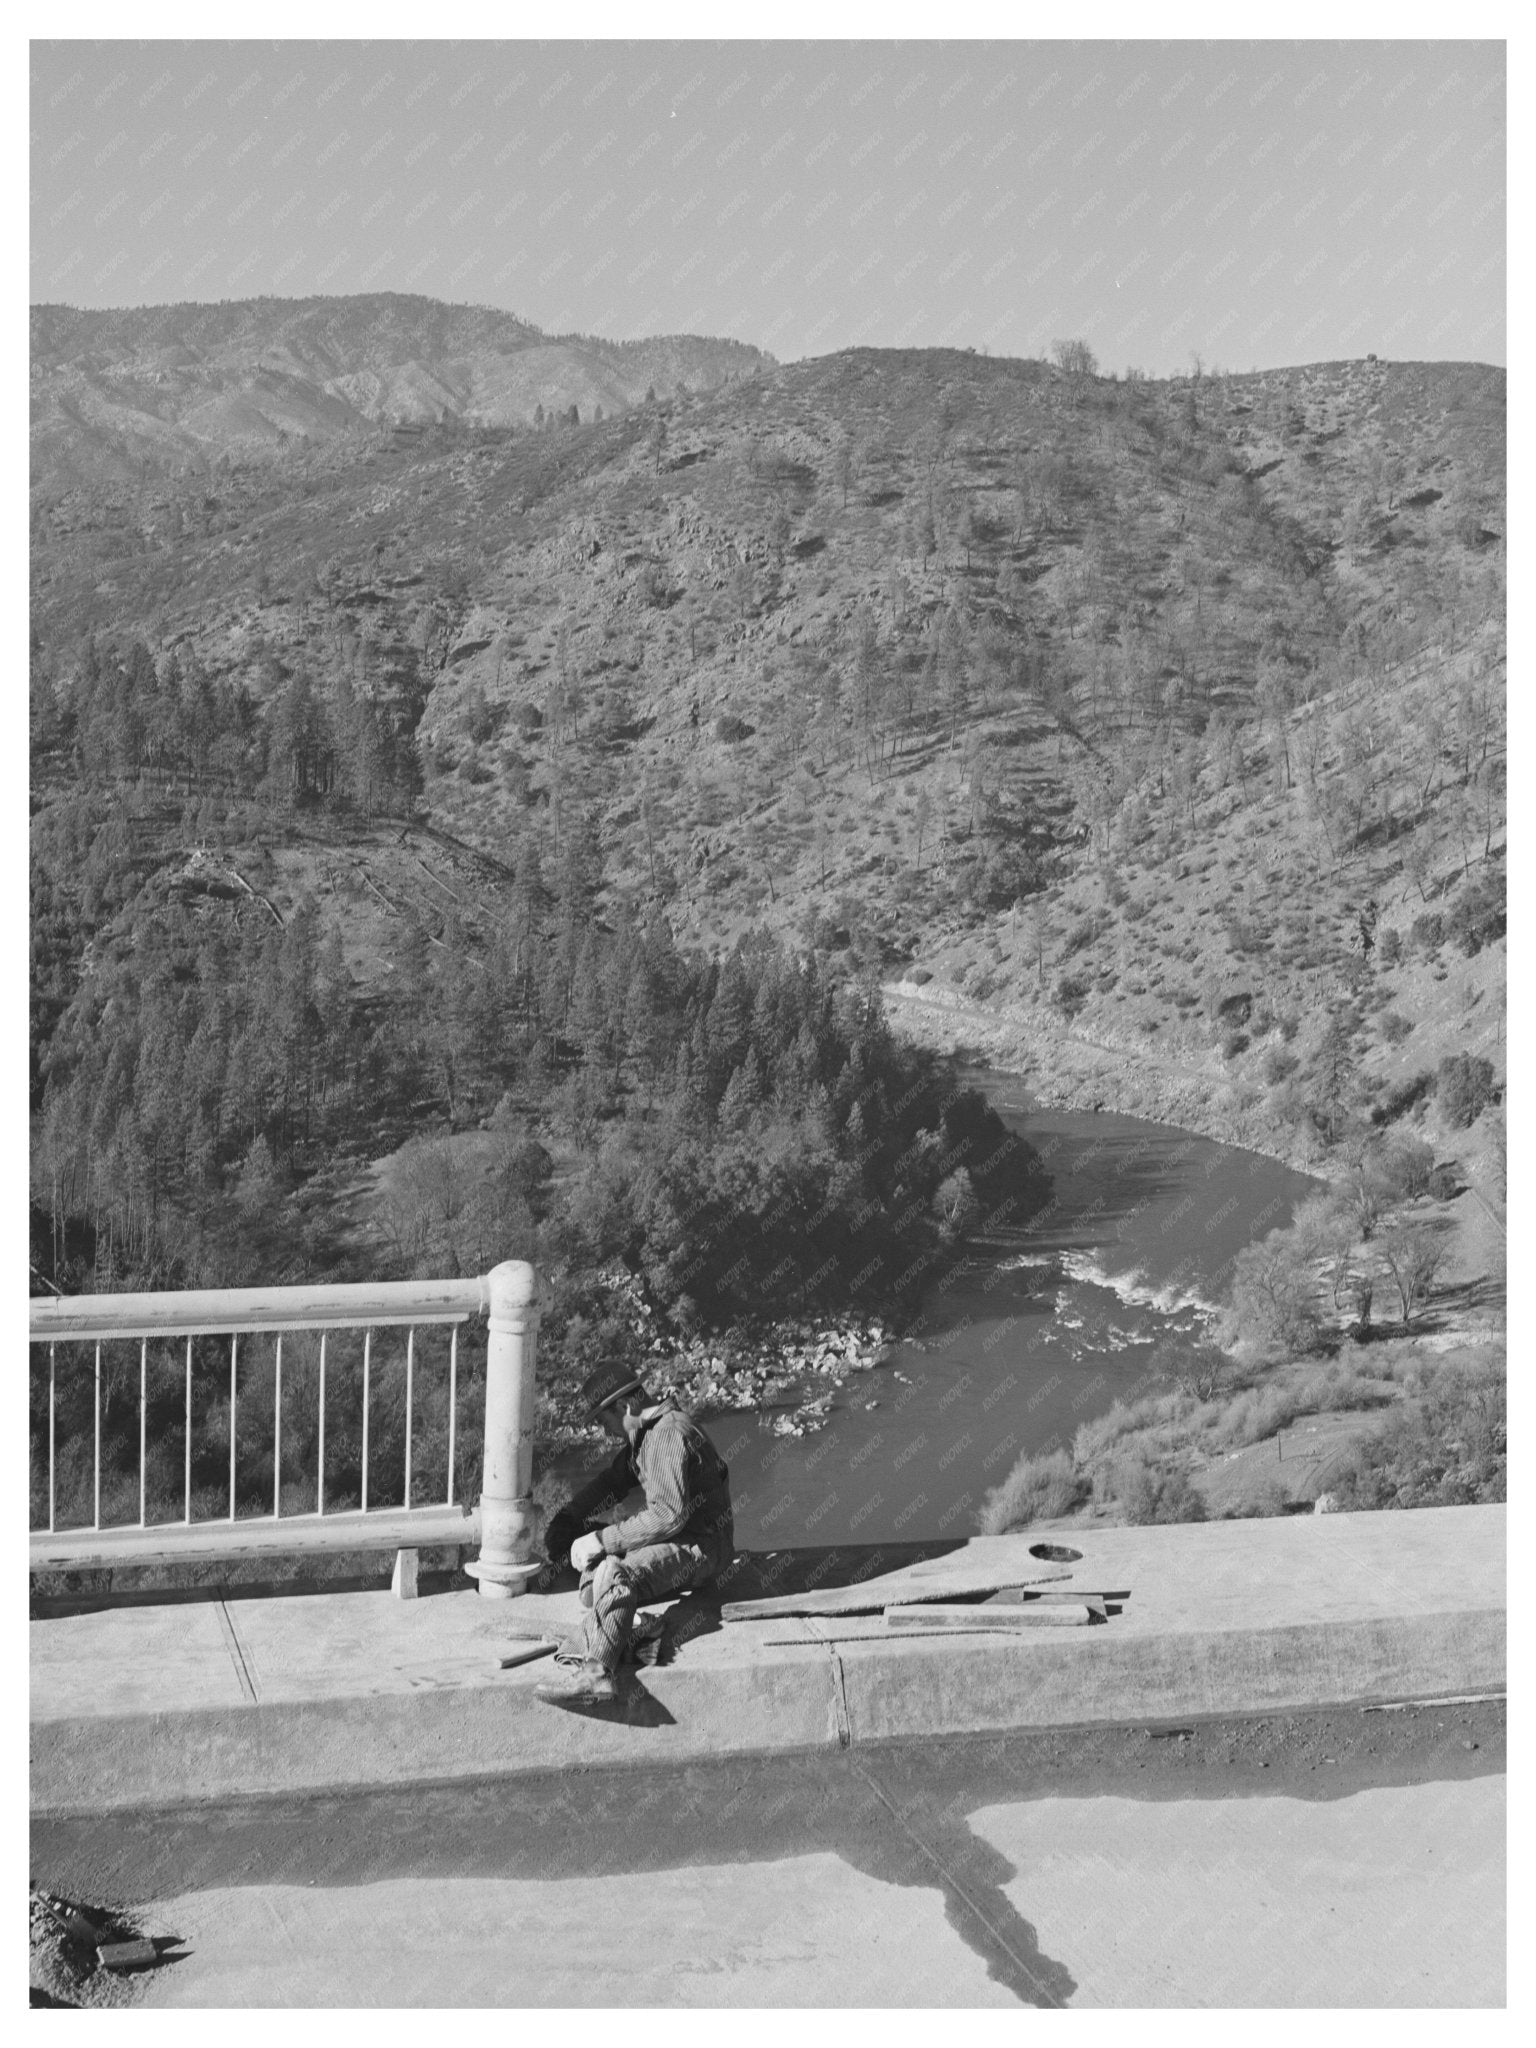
{"points": [[785, 1371]]}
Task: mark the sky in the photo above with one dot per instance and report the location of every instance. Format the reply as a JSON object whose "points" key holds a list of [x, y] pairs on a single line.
{"points": [[1252, 203]]}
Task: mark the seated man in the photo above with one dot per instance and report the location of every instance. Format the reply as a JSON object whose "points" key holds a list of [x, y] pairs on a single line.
{"points": [[681, 1537]]}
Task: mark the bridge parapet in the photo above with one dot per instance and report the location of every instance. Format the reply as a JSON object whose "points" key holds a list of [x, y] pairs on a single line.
{"points": [[501, 1521]]}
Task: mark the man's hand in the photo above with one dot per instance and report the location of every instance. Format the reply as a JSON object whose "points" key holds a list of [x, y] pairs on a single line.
{"points": [[561, 1533], [586, 1550]]}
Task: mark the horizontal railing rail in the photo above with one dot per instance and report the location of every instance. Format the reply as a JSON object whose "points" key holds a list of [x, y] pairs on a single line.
{"points": [[502, 1521], [234, 1311]]}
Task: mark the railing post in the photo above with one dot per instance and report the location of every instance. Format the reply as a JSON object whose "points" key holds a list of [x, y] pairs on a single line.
{"points": [[505, 1565]]}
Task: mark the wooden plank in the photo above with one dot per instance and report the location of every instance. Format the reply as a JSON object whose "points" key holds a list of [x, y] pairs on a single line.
{"points": [[873, 1596], [1026, 1598], [998, 1620], [864, 1628]]}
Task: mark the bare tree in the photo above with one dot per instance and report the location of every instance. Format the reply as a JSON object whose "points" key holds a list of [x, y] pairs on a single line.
{"points": [[1079, 362]]}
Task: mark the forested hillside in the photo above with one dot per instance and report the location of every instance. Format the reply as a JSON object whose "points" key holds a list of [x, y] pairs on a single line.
{"points": [[558, 793]]}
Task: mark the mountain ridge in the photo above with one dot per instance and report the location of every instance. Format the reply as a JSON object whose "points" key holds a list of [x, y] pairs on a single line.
{"points": [[180, 385]]}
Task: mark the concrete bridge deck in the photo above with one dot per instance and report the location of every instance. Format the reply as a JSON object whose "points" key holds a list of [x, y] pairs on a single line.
{"points": [[140, 1706]]}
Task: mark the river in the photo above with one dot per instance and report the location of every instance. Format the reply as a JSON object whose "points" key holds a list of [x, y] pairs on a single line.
{"points": [[1037, 1330]]}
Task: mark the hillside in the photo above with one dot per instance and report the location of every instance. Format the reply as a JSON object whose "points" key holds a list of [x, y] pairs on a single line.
{"points": [[175, 388], [1158, 725]]}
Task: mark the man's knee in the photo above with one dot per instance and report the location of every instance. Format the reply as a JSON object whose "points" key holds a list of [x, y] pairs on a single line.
{"points": [[611, 1585]]}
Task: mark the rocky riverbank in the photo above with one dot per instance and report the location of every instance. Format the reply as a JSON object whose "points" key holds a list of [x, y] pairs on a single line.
{"points": [[786, 1371], [1068, 1070]]}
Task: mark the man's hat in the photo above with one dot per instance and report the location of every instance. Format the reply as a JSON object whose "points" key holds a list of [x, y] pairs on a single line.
{"points": [[606, 1384]]}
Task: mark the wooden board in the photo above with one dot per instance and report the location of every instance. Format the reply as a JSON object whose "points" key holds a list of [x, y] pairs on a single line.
{"points": [[866, 1628], [939, 1579], [939, 1619]]}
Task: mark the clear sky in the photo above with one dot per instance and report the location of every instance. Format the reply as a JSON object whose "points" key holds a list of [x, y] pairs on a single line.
{"points": [[1260, 202]]}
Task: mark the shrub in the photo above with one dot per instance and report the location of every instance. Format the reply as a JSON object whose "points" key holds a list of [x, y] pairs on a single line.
{"points": [[1405, 1168], [1444, 1182], [1477, 916], [1395, 1027], [1429, 931], [1399, 1100], [1201, 1370], [1157, 1491], [1093, 1438], [1447, 1449], [1257, 1414], [1279, 1065], [1233, 1043], [1274, 1297], [1037, 1489], [1072, 993], [1466, 1087], [1389, 945]]}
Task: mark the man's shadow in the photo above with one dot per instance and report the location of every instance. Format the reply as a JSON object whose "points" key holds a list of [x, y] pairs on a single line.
{"points": [[896, 1818]]}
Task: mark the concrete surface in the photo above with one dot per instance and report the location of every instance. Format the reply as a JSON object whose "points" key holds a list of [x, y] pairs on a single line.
{"points": [[1334, 1858], [809, 1931], [1387, 1898], [1390, 1898], [137, 1705]]}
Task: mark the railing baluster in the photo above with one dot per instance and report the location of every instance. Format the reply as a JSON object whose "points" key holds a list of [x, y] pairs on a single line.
{"points": [[234, 1350], [53, 1366], [453, 1396], [101, 1321], [410, 1370], [187, 1513], [277, 1437], [96, 1524]]}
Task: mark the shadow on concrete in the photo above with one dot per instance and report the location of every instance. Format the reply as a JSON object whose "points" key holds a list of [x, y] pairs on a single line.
{"points": [[896, 1812], [900, 1826], [806, 1568]]}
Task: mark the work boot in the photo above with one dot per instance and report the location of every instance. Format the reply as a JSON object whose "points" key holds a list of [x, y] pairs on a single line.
{"points": [[588, 1685]]}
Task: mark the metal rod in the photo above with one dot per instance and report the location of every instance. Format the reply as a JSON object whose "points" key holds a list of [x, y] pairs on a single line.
{"points": [[320, 1474], [234, 1350], [187, 1515], [453, 1397], [277, 1439], [96, 1524], [367, 1350], [143, 1403], [410, 1373], [52, 1402]]}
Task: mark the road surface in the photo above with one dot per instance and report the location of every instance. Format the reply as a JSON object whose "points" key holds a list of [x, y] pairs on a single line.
{"points": [[1329, 1859]]}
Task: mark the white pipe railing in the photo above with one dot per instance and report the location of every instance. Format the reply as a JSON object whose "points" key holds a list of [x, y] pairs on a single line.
{"points": [[504, 1518]]}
